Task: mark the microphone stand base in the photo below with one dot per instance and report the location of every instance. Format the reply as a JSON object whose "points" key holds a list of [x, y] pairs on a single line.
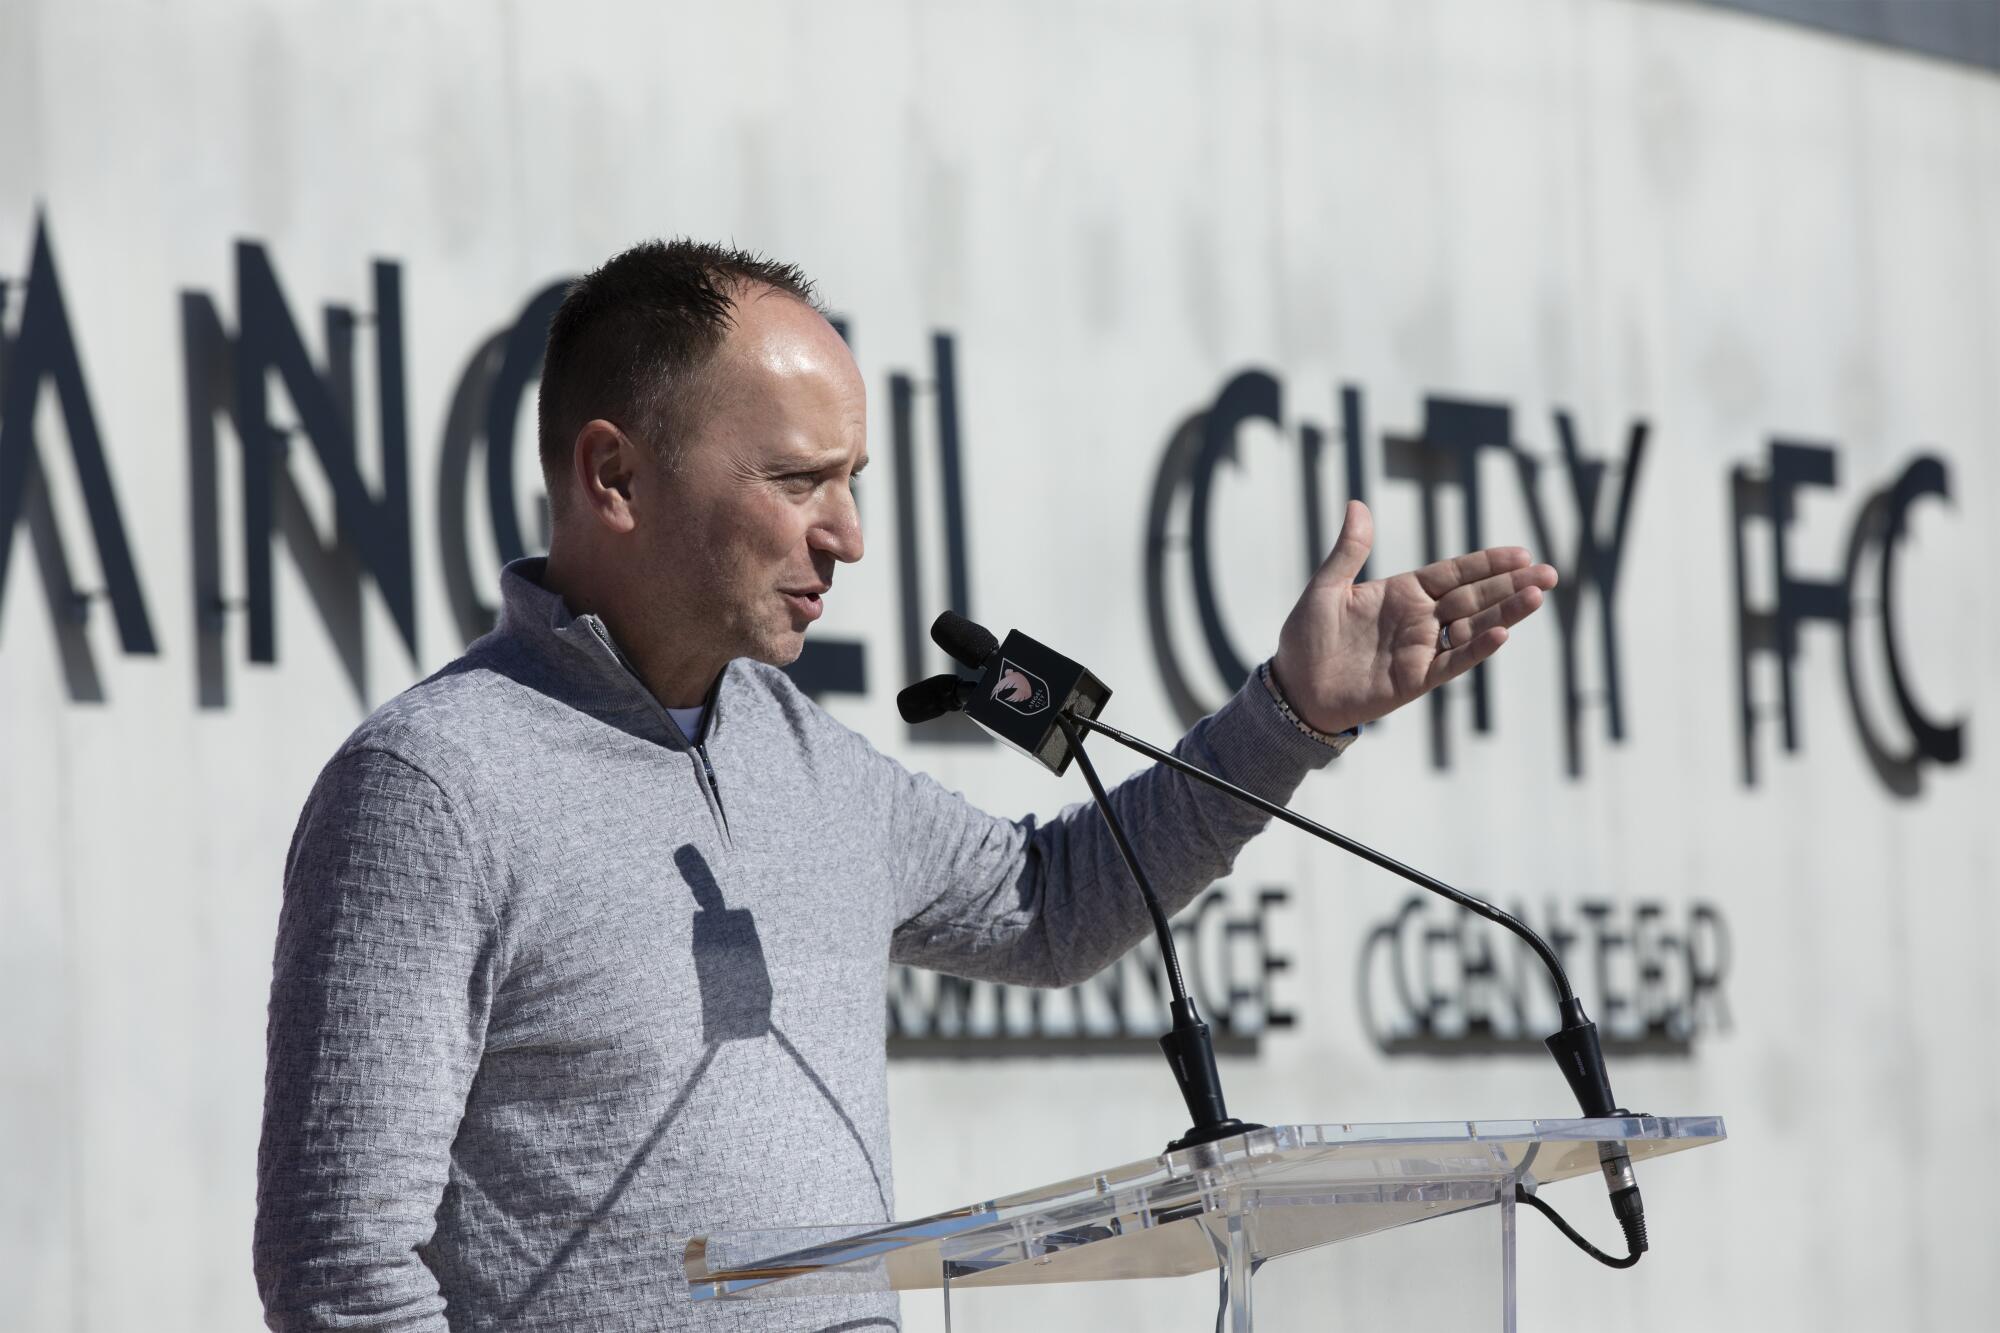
{"points": [[1222, 1129]]}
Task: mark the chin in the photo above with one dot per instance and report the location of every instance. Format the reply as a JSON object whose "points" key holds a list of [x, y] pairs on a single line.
{"points": [[780, 650]]}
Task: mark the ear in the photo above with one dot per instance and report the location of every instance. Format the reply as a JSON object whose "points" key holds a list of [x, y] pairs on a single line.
{"points": [[604, 462]]}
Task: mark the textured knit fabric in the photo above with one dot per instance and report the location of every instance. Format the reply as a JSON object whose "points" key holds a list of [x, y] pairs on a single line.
{"points": [[555, 985]]}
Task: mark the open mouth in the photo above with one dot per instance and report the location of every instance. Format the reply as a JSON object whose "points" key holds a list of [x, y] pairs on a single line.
{"points": [[806, 604]]}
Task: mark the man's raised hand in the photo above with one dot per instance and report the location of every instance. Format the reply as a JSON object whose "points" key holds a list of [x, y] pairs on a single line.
{"points": [[1352, 652]]}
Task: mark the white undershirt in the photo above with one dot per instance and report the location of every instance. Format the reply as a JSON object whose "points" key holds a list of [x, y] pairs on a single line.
{"points": [[688, 719]]}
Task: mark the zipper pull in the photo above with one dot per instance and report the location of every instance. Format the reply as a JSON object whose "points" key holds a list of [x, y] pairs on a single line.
{"points": [[708, 772]]}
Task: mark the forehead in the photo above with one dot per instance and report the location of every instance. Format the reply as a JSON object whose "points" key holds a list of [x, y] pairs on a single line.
{"points": [[778, 341], [783, 387]]}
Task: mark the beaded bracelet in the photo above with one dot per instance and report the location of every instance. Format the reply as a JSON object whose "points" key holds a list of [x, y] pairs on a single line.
{"points": [[1336, 743]]}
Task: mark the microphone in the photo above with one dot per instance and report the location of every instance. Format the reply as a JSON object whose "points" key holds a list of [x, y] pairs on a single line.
{"points": [[932, 698], [1040, 702], [966, 643], [1024, 689]]}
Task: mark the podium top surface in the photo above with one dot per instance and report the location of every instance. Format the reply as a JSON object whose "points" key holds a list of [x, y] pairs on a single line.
{"points": [[1294, 1186]]}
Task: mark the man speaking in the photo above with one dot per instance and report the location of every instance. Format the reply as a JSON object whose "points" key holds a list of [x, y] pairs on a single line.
{"points": [[585, 938]]}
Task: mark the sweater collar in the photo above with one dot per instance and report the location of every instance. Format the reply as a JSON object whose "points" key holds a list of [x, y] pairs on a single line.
{"points": [[592, 672]]}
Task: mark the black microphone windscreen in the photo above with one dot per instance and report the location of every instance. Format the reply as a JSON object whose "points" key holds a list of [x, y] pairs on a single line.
{"points": [[929, 699], [968, 644]]}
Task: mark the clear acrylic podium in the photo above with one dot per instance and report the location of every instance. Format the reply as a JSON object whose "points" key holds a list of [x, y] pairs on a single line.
{"points": [[1228, 1206]]}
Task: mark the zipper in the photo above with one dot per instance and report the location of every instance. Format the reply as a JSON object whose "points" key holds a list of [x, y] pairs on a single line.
{"points": [[710, 789], [714, 792]]}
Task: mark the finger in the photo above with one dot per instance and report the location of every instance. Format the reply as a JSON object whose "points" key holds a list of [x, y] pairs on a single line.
{"points": [[1456, 661], [1509, 613], [1350, 549], [1440, 578], [1472, 598]]}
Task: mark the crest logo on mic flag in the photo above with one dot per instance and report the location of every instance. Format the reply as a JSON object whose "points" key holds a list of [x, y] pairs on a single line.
{"points": [[1021, 690]]}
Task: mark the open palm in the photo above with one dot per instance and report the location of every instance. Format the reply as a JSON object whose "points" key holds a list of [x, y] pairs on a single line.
{"points": [[1352, 652]]}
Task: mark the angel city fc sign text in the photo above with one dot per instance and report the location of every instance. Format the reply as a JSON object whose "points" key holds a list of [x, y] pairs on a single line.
{"points": [[1441, 457], [234, 353], [374, 537]]}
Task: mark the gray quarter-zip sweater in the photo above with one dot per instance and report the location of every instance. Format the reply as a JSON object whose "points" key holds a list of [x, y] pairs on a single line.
{"points": [[555, 984]]}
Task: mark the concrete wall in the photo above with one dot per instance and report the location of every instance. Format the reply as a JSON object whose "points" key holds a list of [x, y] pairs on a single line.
{"points": [[1718, 232]]}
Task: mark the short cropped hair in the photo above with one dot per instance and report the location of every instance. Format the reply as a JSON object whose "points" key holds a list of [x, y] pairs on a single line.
{"points": [[632, 342]]}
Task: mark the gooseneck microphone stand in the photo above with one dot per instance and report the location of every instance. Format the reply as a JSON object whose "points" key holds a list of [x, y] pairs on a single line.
{"points": [[1189, 1047], [1576, 1046], [1479, 906]]}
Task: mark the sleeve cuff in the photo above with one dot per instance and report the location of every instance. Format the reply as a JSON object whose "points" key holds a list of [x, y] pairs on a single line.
{"points": [[1338, 742], [1252, 742]]}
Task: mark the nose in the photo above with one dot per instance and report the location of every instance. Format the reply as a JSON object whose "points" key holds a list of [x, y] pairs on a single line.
{"points": [[838, 531]]}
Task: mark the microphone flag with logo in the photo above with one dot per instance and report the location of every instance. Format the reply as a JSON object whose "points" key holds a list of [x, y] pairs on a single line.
{"points": [[1023, 687]]}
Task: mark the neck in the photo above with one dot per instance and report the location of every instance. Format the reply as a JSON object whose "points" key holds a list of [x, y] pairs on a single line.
{"points": [[678, 679], [675, 682]]}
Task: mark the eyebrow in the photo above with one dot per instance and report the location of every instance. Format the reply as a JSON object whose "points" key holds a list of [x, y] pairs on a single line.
{"points": [[823, 464]]}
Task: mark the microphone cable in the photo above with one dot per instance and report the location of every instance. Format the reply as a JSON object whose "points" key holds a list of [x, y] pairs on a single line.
{"points": [[1635, 1244]]}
